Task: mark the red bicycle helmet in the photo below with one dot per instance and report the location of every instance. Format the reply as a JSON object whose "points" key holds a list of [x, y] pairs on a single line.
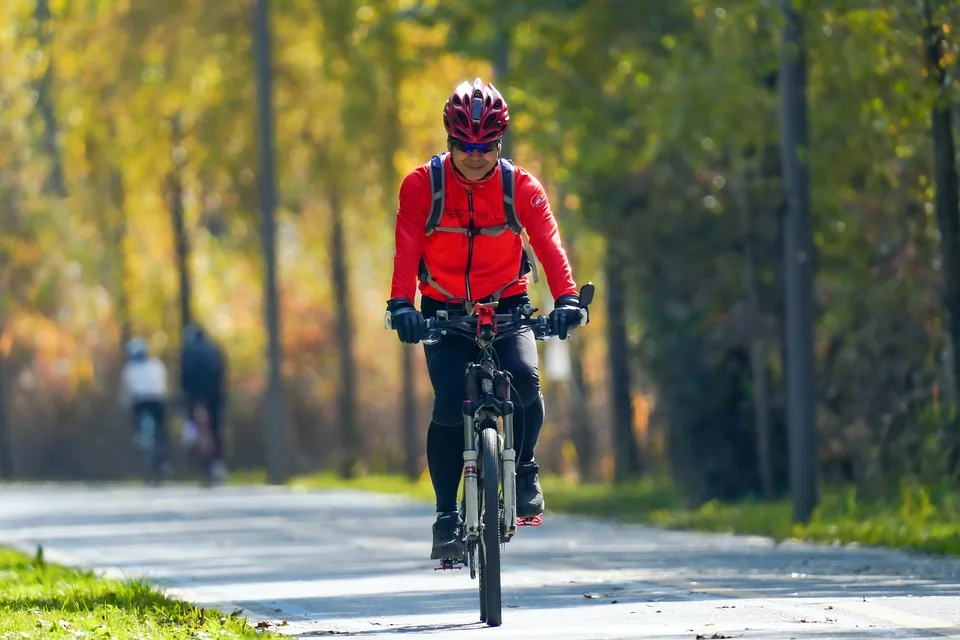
{"points": [[476, 113]]}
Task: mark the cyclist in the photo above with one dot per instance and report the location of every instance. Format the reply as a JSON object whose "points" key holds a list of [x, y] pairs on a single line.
{"points": [[458, 264], [143, 389], [202, 375]]}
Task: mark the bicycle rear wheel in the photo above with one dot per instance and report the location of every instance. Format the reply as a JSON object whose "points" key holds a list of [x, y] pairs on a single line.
{"points": [[489, 547]]}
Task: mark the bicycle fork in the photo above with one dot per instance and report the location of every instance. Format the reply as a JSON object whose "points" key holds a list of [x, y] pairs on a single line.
{"points": [[508, 474], [509, 477], [471, 516]]}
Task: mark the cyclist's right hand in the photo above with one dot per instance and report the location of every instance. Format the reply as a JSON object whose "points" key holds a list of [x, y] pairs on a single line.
{"points": [[407, 321]]}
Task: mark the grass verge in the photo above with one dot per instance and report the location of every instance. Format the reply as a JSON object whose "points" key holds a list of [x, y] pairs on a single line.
{"points": [[920, 518], [41, 600]]}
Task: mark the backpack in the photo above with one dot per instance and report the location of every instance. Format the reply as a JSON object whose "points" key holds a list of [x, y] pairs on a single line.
{"points": [[508, 178]]}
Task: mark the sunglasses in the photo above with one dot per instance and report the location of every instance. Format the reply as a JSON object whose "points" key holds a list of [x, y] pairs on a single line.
{"points": [[468, 147]]}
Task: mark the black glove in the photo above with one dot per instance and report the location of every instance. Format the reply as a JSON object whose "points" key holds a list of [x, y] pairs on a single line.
{"points": [[566, 316], [405, 318]]}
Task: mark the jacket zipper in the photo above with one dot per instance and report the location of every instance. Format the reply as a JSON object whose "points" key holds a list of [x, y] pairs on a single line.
{"points": [[466, 274]]}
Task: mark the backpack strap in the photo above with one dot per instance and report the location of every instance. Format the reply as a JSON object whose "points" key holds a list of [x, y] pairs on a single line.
{"points": [[438, 184], [508, 176]]}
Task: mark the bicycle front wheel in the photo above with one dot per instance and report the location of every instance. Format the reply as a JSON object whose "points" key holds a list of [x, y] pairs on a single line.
{"points": [[147, 443], [490, 592]]}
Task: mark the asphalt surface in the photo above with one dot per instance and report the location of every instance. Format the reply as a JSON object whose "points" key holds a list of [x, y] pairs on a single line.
{"points": [[355, 565]]}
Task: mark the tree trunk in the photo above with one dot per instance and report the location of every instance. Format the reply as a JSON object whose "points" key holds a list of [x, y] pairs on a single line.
{"points": [[349, 429], [581, 430], [756, 336], [391, 142], [798, 255], [46, 106], [412, 443], [118, 197], [180, 237], [947, 201], [627, 461], [501, 65], [6, 453], [10, 205], [275, 425]]}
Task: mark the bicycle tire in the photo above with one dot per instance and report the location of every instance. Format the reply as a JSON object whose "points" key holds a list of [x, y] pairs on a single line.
{"points": [[490, 587]]}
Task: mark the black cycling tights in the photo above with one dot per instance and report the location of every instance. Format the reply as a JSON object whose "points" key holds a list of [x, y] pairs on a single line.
{"points": [[446, 363]]}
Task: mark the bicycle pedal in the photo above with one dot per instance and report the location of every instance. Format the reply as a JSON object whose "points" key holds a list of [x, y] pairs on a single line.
{"points": [[449, 565], [535, 521]]}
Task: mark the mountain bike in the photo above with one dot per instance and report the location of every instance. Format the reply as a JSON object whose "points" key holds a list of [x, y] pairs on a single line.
{"points": [[488, 505], [204, 446]]}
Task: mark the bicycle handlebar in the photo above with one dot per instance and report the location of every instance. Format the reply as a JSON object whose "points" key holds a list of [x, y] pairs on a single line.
{"points": [[502, 325], [495, 325]]}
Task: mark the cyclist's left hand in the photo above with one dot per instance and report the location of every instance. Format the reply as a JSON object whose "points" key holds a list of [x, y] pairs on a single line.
{"points": [[566, 316]]}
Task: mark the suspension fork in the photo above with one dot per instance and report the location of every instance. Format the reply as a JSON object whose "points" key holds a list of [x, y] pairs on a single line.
{"points": [[509, 474], [471, 514]]}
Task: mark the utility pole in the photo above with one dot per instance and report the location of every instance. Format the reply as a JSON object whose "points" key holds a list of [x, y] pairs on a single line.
{"points": [[275, 419], [798, 254]]}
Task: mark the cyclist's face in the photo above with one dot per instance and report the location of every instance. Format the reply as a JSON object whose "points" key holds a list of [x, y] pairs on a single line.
{"points": [[473, 164]]}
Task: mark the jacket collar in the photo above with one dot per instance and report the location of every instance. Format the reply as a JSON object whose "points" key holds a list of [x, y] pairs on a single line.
{"points": [[471, 184]]}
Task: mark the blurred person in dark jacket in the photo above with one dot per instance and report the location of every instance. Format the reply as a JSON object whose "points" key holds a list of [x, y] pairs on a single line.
{"points": [[203, 382]]}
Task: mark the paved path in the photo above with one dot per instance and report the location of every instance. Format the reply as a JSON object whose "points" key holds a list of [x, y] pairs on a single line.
{"points": [[354, 565]]}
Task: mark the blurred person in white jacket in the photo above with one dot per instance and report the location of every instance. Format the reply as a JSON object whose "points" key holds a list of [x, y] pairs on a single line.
{"points": [[143, 390]]}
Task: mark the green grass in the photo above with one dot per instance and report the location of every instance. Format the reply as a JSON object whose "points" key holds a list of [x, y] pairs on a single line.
{"points": [[41, 600], [919, 518]]}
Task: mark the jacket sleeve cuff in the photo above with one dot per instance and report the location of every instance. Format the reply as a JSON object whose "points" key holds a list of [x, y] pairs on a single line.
{"points": [[568, 300], [395, 304]]}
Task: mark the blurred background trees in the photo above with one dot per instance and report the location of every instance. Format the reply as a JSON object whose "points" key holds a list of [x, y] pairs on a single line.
{"points": [[129, 202]]}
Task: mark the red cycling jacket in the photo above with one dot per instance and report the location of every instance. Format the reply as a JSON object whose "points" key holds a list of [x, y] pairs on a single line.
{"points": [[475, 267]]}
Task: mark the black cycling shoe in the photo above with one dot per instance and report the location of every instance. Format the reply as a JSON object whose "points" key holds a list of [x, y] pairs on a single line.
{"points": [[447, 544], [529, 494]]}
